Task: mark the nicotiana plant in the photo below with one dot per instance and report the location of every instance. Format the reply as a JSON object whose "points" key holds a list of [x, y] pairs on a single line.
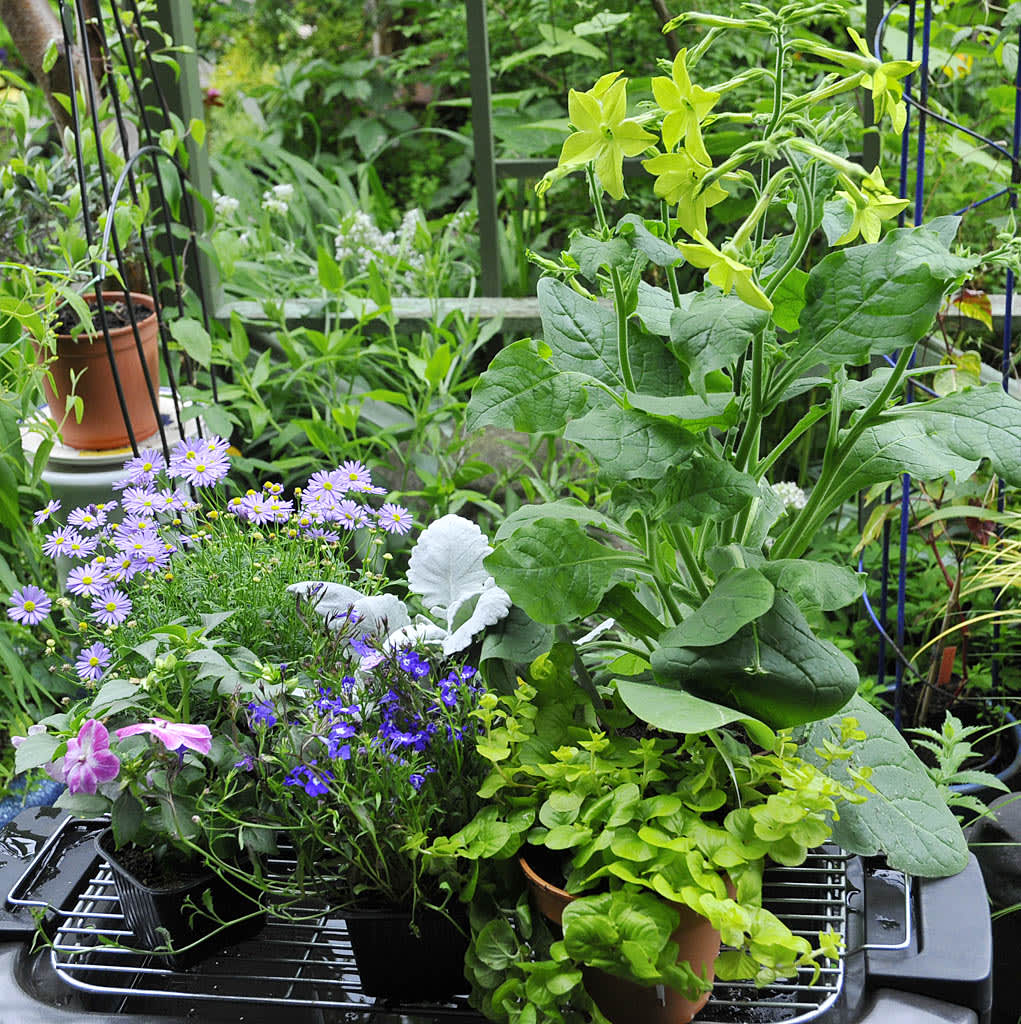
{"points": [[702, 576]]}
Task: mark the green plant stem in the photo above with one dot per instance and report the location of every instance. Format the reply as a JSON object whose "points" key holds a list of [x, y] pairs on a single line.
{"points": [[750, 437], [805, 423], [618, 289], [683, 544], [799, 534]]}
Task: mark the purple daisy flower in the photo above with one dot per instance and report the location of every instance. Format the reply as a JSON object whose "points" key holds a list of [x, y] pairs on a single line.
{"points": [[121, 568], [87, 518], [328, 483], [255, 509], [138, 523], [351, 515], [92, 661], [59, 542], [355, 476], [111, 607], [30, 605], [46, 511], [82, 547], [280, 510], [138, 543], [142, 469], [205, 470], [87, 580], [140, 501], [394, 519]]}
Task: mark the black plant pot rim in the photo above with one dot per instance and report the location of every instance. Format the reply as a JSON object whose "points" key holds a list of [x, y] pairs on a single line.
{"points": [[106, 847]]}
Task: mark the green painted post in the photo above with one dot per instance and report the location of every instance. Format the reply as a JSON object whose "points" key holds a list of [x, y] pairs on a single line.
{"points": [[184, 98], [482, 135]]}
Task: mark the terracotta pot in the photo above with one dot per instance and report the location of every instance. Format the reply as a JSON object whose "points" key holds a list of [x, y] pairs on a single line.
{"points": [[626, 1002], [102, 425]]}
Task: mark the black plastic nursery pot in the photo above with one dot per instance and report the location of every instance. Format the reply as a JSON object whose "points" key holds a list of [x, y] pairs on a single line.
{"points": [[400, 961], [194, 916], [917, 951]]}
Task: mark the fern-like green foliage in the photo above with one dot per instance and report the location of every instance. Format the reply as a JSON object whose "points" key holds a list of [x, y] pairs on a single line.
{"points": [[953, 746]]}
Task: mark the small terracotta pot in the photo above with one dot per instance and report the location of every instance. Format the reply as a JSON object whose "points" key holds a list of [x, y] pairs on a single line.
{"points": [[626, 1002], [102, 424]]}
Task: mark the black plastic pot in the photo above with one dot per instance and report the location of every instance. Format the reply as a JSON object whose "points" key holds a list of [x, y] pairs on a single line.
{"points": [[396, 963], [176, 916]]}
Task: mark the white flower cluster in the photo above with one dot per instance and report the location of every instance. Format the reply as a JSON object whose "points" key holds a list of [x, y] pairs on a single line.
{"points": [[277, 198], [225, 206], [790, 494], [360, 241]]}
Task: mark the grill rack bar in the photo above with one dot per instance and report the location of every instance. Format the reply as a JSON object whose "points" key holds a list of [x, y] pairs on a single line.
{"points": [[310, 963]]}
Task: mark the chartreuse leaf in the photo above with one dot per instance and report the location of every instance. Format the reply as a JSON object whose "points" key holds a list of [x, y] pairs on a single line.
{"points": [[581, 333], [739, 597], [906, 819], [713, 333], [523, 391], [554, 571], [677, 711], [629, 444], [871, 299], [931, 439], [775, 669]]}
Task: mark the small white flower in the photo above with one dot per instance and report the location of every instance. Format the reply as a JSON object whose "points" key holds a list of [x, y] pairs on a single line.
{"points": [[225, 206], [790, 494], [277, 198], [306, 31]]}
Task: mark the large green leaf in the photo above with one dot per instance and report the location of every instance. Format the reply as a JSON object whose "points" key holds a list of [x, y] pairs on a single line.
{"points": [[523, 391], [815, 585], [713, 333], [710, 489], [906, 819], [931, 439], [739, 597], [656, 307], [775, 669], [628, 444], [658, 250], [554, 571], [694, 412], [677, 711], [871, 299], [566, 508], [581, 332], [655, 369]]}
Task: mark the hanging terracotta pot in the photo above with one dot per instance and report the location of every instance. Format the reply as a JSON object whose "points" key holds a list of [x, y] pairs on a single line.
{"points": [[84, 358], [626, 1002]]}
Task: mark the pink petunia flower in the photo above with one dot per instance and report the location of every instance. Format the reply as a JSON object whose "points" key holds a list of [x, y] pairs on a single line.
{"points": [[88, 760], [172, 735]]}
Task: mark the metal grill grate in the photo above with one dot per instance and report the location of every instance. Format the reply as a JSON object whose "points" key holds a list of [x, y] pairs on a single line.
{"points": [[311, 964]]}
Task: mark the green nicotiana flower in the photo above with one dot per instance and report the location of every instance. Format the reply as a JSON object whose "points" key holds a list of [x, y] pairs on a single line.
{"points": [[871, 203], [724, 271], [604, 135], [686, 107], [884, 81], [678, 181]]}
